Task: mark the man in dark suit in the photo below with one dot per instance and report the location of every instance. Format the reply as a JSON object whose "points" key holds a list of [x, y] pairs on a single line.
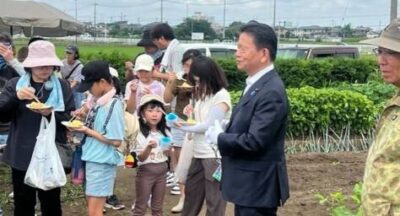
{"points": [[254, 175]]}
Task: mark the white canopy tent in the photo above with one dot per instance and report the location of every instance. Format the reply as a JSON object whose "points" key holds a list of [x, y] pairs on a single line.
{"points": [[35, 18]]}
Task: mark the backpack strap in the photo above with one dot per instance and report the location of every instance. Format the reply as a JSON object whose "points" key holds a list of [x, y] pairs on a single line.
{"points": [[109, 115], [70, 73]]}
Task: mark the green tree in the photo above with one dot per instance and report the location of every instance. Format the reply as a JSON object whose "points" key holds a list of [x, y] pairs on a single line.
{"points": [[346, 31], [184, 30], [232, 30]]}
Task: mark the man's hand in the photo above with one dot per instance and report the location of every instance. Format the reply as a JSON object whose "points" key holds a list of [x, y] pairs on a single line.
{"points": [[129, 66], [213, 132], [172, 77]]}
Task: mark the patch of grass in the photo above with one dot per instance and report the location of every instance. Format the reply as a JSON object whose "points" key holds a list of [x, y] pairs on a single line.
{"points": [[5, 188], [88, 47], [71, 195]]}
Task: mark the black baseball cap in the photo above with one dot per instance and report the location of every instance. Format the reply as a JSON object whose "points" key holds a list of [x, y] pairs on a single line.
{"points": [[72, 49], [92, 72], [146, 40]]}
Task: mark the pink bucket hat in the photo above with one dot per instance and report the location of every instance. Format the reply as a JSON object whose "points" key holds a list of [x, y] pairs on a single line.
{"points": [[41, 53]]}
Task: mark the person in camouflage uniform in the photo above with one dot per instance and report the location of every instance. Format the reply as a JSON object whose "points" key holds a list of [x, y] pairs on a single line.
{"points": [[381, 188]]}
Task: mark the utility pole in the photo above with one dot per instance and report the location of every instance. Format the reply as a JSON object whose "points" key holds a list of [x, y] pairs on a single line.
{"points": [[94, 19], [76, 18], [393, 10], [223, 23], [187, 8], [162, 8], [274, 18]]}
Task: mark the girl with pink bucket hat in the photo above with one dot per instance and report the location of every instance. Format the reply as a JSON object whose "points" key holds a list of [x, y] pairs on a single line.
{"points": [[38, 83]]}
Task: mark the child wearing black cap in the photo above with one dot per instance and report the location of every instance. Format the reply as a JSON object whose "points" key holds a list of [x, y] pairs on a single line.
{"points": [[104, 132]]}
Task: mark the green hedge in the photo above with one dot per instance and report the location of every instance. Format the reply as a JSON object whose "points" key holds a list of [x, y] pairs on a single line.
{"points": [[317, 73], [378, 92], [314, 110]]}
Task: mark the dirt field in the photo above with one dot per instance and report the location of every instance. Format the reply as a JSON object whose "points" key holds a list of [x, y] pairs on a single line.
{"points": [[309, 173]]}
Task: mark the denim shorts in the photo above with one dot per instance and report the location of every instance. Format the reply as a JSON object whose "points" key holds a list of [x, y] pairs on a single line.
{"points": [[178, 136], [100, 179], [3, 139]]}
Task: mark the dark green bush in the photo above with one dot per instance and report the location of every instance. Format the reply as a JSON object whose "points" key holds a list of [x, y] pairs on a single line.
{"points": [[314, 110], [378, 92], [317, 73], [317, 109]]}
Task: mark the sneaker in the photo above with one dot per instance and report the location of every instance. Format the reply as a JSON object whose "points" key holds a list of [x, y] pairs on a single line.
{"points": [[170, 176], [171, 182], [175, 190], [113, 202], [11, 195], [170, 173]]}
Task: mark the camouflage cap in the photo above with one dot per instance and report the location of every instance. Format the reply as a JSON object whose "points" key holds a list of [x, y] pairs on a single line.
{"points": [[389, 38]]}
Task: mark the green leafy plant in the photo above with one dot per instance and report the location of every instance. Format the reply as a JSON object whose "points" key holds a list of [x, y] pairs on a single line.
{"points": [[316, 73], [315, 110], [340, 204]]}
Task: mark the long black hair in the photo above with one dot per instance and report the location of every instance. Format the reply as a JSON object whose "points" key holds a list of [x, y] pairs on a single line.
{"points": [[144, 127], [211, 77]]}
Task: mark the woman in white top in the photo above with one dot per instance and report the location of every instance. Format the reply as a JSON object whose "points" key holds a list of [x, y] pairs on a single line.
{"points": [[212, 102]]}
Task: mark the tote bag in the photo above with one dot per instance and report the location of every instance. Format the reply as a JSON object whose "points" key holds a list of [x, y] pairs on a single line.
{"points": [[45, 171]]}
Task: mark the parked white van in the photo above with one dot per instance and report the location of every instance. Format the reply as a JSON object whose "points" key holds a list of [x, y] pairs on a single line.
{"points": [[216, 50]]}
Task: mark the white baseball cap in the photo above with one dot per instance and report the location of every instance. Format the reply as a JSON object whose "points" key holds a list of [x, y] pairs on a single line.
{"points": [[113, 72], [144, 62]]}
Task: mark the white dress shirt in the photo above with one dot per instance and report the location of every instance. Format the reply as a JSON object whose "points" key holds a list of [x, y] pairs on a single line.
{"points": [[253, 79]]}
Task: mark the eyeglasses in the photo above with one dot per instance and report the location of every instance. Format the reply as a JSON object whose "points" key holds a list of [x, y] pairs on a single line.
{"points": [[383, 51]]}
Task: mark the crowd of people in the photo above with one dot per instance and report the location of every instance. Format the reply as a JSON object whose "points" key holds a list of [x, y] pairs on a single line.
{"points": [[184, 132]]}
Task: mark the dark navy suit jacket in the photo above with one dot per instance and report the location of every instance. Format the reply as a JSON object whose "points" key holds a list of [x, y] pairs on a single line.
{"points": [[253, 161]]}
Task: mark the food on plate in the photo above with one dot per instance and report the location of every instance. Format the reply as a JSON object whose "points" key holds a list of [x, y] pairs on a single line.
{"points": [[186, 85], [37, 105], [76, 123], [191, 121]]}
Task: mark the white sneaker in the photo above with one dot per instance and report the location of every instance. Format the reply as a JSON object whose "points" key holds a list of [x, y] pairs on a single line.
{"points": [[11, 195], [171, 182], [175, 190]]}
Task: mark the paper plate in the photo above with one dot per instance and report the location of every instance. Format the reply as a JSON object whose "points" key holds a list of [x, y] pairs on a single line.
{"points": [[68, 124], [44, 107], [185, 123]]}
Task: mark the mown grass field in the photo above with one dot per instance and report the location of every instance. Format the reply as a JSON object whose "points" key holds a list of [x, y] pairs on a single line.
{"points": [[85, 48]]}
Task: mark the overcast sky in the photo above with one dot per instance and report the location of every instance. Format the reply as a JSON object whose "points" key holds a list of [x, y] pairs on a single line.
{"points": [[372, 13]]}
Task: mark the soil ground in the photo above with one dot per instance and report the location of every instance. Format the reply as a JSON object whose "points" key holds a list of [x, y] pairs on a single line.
{"points": [[309, 173]]}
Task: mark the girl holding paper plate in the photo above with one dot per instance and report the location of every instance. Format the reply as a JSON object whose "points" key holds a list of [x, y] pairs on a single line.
{"points": [[39, 84], [212, 102]]}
